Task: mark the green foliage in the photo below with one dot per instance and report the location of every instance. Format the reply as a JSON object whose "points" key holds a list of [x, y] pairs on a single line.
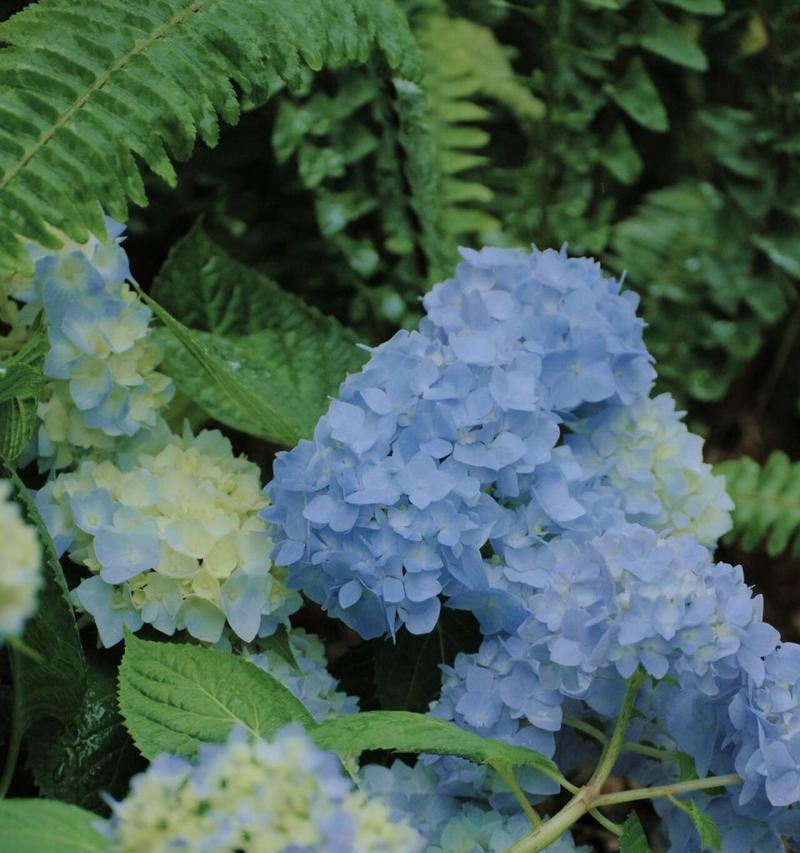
{"points": [[453, 80], [175, 696], [40, 826], [710, 836], [767, 502], [282, 357], [403, 731], [92, 753], [52, 681], [21, 380], [81, 94], [633, 839], [407, 669]]}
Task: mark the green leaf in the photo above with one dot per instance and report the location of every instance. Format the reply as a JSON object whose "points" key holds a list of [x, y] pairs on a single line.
{"points": [[403, 731], [408, 673], [633, 839], [698, 7], [92, 753], [85, 97], [53, 683], [674, 41], [21, 379], [620, 157], [783, 251], [18, 422], [707, 829], [686, 767], [766, 502], [283, 350], [41, 826], [173, 697], [638, 97]]}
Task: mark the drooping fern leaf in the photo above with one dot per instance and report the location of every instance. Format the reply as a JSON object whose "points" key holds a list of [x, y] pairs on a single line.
{"points": [[464, 61], [767, 502], [85, 90]]}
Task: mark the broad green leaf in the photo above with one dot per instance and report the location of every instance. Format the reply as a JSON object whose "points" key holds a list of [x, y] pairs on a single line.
{"points": [[21, 379], [699, 7], [407, 671], [637, 95], [173, 697], [52, 684], [674, 41], [47, 826], [633, 839], [707, 829], [92, 753], [17, 424], [403, 731], [285, 353]]}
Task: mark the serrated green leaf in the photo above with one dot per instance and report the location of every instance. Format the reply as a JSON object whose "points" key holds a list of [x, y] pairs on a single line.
{"points": [[52, 684], [637, 95], [175, 697], [18, 422], [633, 839], [407, 670], [403, 731], [41, 826], [279, 350], [21, 379], [707, 829], [674, 41], [92, 753]]}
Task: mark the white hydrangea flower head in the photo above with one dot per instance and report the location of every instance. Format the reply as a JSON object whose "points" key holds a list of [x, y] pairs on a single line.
{"points": [[102, 364], [170, 529], [646, 452], [20, 566], [254, 796]]}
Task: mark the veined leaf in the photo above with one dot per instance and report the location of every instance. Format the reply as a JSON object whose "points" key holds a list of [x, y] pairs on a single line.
{"points": [[175, 697], [47, 826], [633, 839]]}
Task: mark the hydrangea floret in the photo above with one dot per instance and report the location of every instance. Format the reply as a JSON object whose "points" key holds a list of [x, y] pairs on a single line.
{"points": [[170, 531], [254, 796], [20, 566], [302, 668], [102, 363]]}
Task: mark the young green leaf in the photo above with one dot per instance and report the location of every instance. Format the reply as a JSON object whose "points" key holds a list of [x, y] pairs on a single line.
{"points": [[52, 682], [174, 697], [707, 829], [47, 826], [403, 731], [633, 839]]}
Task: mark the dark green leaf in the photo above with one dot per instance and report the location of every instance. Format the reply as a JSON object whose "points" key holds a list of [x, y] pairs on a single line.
{"points": [[633, 839], [674, 41], [92, 753], [686, 767], [638, 97], [174, 697], [620, 157], [41, 826], [699, 7], [407, 671]]}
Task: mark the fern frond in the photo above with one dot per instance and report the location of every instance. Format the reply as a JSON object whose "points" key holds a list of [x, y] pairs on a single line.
{"points": [[462, 61], [767, 502], [86, 89]]}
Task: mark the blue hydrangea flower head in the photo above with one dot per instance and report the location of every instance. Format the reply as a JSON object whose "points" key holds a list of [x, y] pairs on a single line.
{"points": [[169, 529], [254, 795], [449, 442], [102, 364]]}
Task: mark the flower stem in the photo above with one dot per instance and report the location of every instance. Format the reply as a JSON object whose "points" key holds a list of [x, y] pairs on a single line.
{"points": [[589, 796], [668, 790], [507, 775]]}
